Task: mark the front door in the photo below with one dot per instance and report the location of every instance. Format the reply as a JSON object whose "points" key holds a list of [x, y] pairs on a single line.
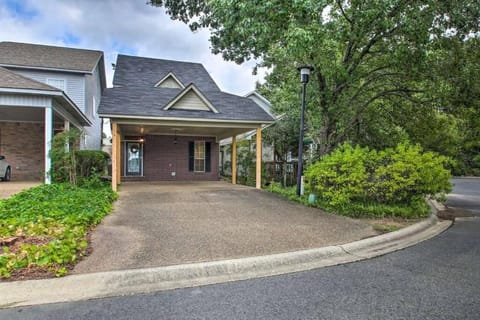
{"points": [[134, 163]]}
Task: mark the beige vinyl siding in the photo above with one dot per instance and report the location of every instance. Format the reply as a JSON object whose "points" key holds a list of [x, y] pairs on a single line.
{"points": [[169, 83], [190, 101]]}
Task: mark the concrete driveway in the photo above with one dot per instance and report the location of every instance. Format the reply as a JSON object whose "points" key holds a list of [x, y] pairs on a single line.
{"points": [[160, 224], [8, 189]]}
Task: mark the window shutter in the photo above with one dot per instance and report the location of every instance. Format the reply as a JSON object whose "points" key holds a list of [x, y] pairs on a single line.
{"points": [[207, 156], [191, 155]]}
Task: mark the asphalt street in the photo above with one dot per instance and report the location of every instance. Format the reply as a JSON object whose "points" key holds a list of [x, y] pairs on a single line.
{"points": [[436, 279]]}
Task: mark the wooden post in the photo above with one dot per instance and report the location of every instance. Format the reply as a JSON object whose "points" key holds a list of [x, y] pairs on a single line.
{"points": [[119, 155], [258, 167], [115, 152], [234, 160]]}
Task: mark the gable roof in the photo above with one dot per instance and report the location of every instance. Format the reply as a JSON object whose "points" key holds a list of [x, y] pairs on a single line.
{"points": [[262, 102], [170, 77], [146, 72], [14, 54], [147, 102], [9, 79], [205, 105]]}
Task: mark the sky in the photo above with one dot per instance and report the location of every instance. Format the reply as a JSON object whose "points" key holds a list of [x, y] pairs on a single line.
{"points": [[119, 26]]}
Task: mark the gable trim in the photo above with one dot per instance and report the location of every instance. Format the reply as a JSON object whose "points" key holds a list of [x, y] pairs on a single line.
{"points": [[264, 100], [189, 88], [170, 75]]}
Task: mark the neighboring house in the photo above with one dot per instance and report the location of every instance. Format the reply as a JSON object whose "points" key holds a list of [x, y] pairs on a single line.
{"points": [[168, 118], [267, 148], [45, 90]]}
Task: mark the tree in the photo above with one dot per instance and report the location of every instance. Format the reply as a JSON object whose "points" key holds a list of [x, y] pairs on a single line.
{"points": [[369, 56]]}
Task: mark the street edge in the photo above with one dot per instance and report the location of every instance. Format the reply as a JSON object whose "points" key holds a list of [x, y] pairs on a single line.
{"points": [[142, 281]]}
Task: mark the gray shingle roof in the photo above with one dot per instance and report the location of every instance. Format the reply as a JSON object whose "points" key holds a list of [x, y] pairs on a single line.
{"points": [[139, 71], [50, 57], [9, 79], [149, 102]]}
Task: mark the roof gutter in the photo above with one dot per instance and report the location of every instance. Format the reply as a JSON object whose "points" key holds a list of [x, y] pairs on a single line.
{"points": [[45, 68]]}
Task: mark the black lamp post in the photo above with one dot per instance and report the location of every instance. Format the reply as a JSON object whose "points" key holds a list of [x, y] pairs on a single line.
{"points": [[304, 76]]}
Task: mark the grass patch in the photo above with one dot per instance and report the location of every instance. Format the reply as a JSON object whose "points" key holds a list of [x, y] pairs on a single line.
{"points": [[414, 210], [46, 227], [385, 228]]}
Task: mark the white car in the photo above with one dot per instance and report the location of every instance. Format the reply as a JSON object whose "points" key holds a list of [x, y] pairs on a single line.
{"points": [[5, 169]]}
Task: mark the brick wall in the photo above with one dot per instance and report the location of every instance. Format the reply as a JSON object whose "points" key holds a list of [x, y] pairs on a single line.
{"points": [[162, 157], [23, 146]]}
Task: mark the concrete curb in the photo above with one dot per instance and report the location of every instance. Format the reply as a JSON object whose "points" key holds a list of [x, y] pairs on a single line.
{"points": [[137, 281]]}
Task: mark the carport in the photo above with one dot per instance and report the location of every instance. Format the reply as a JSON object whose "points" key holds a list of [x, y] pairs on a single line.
{"points": [[171, 138]]}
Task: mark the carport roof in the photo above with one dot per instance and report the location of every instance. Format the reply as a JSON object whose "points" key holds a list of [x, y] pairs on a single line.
{"points": [[151, 102]]}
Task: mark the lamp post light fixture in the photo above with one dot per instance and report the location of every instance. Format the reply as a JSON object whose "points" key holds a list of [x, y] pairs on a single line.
{"points": [[304, 77]]}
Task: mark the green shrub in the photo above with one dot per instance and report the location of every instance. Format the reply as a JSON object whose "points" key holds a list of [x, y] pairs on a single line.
{"points": [[64, 162], [90, 162], [359, 181], [72, 165]]}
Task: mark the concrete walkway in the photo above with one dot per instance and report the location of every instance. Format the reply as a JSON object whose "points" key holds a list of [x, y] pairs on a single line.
{"points": [[162, 224], [7, 189]]}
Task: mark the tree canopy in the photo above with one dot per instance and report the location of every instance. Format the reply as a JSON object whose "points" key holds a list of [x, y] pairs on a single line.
{"points": [[385, 70]]}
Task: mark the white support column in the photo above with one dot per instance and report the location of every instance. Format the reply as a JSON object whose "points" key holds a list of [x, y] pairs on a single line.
{"points": [[48, 142], [66, 128]]}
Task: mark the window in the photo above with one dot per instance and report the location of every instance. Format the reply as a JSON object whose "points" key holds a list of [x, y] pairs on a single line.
{"points": [[199, 163], [57, 83]]}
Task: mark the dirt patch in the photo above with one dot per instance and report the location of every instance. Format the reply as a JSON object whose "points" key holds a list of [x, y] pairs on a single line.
{"points": [[386, 225], [452, 213], [33, 272], [14, 244]]}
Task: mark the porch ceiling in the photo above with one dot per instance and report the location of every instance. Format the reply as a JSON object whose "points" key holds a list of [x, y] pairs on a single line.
{"points": [[26, 114], [220, 132]]}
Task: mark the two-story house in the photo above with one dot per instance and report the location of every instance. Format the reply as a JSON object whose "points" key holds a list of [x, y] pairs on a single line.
{"points": [[168, 118], [44, 90]]}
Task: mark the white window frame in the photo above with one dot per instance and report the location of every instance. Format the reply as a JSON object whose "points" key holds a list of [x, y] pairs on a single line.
{"points": [[64, 89], [197, 155]]}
